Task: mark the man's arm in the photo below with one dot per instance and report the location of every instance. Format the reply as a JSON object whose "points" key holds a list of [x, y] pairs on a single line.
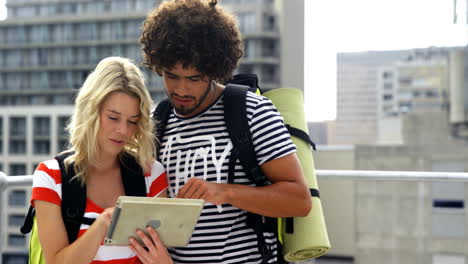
{"points": [[287, 196]]}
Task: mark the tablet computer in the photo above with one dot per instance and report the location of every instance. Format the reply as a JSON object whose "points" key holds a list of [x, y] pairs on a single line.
{"points": [[173, 218]]}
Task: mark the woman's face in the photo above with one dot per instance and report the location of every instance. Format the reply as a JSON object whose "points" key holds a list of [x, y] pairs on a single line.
{"points": [[119, 116]]}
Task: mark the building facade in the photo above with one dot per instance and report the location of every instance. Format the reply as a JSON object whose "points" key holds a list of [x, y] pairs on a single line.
{"points": [[357, 94], [28, 135], [419, 83], [399, 221]]}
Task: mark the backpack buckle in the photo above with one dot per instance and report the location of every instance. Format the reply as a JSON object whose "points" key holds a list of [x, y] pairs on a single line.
{"points": [[258, 177], [72, 212]]}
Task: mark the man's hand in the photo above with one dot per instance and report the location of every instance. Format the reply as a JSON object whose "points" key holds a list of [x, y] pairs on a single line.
{"points": [[215, 193], [153, 251]]}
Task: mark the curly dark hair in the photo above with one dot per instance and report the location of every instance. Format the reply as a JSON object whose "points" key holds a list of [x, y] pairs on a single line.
{"points": [[195, 33]]}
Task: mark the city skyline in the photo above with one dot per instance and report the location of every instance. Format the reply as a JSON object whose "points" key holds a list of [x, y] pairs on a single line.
{"points": [[354, 27]]}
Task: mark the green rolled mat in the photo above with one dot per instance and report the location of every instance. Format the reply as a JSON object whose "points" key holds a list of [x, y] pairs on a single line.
{"points": [[310, 237]]}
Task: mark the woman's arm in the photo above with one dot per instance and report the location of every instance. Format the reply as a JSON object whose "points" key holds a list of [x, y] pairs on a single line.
{"points": [[54, 239]]}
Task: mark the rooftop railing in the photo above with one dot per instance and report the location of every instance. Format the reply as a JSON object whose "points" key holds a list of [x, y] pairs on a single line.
{"points": [[8, 181], [353, 175]]}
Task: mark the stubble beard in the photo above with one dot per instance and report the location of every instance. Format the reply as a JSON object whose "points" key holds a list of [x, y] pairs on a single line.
{"points": [[184, 110]]}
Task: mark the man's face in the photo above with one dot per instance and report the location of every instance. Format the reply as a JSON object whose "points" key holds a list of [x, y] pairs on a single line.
{"points": [[188, 90]]}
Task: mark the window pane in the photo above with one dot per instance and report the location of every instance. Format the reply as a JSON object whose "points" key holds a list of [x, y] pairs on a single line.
{"points": [[17, 169], [16, 240], [41, 126], [17, 198], [15, 220]]}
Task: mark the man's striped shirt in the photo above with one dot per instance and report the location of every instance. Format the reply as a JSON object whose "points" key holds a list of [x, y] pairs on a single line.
{"points": [[199, 146]]}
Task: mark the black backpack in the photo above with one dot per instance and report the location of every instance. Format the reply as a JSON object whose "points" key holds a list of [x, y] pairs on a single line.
{"points": [[235, 117], [74, 194]]}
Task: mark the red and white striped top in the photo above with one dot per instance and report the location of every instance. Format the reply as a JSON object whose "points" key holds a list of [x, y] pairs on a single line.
{"points": [[47, 186]]}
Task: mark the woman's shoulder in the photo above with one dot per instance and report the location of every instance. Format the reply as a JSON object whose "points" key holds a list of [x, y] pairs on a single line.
{"points": [[48, 171]]}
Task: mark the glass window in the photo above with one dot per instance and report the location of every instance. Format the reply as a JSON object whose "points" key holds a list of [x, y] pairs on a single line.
{"points": [[41, 126], [116, 30], [69, 8], [246, 22], [269, 74], [2, 81], [387, 97], [1, 135], [62, 125], [18, 126], [250, 48], [17, 198], [17, 134], [13, 58], [39, 99], [68, 33], [57, 80], [132, 29], [81, 55], [269, 48], [15, 220], [119, 6], [26, 11], [56, 32], [82, 8], [269, 23], [17, 169], [16, 240], [13, 81], [9, 258], [41, 146]]}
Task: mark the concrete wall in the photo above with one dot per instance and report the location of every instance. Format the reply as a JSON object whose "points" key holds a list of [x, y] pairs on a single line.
{"points": [[292, 43], [337, 197]]}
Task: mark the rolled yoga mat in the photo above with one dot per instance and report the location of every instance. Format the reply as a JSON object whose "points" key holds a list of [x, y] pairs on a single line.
{"points": [[310, 237]]}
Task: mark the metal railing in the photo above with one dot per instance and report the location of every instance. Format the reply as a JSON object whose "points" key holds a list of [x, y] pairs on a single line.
{"points": [[8, 181], [353, 175]]}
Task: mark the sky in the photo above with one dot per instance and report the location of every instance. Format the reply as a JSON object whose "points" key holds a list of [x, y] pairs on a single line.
{"points": [[333, 26], [2, 10]]}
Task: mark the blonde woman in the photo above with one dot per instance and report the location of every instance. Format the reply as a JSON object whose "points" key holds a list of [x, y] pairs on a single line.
{"points": [[110, 127]]}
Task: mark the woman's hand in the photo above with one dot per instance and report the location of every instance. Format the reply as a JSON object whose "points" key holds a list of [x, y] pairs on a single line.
{"points": [[105, 217], [153, 252]]}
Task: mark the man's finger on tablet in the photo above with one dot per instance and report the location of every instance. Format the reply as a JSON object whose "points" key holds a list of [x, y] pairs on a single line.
{"points": [[138, 250], [154, 236]]}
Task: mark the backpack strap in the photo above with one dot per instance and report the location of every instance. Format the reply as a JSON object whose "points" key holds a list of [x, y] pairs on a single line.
{"points": [[248, 79], [300, 134], [237, 124], [28, 221], [73, 202], [133, 178], [74, 194], [73, 199], [235, 117], [161, 116]]}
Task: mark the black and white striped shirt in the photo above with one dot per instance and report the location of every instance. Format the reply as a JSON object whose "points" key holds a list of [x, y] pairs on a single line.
{"points": [[199, 146]]}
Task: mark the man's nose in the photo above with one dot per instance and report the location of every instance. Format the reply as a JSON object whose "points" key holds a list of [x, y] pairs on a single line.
{"points": [[182, 87]]}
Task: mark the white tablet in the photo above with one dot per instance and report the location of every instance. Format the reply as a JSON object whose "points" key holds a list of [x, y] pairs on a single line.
{"points": [[174, 219]]}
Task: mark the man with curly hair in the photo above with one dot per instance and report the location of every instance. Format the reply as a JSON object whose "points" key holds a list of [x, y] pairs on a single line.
{"points": [[195, 46]]}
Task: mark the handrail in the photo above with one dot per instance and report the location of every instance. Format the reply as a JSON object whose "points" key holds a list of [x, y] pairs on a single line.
{"points": [[7, 181], [392, 175]]}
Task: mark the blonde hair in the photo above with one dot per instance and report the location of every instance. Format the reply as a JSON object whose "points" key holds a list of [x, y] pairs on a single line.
{"points": [[113, 74]]}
